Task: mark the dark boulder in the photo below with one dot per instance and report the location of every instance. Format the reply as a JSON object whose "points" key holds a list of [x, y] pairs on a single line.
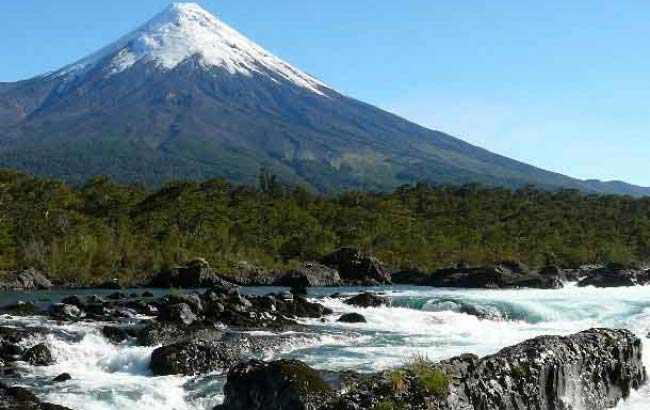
{"points": [[279, 385], [507, 275], [63, 377], [366, 300], [18, 398], [21, 309], [194, 274], [309, 274], [61, 311], [38, 355], [164, 333], [195, 357], [115, 334], [192, 300], [179, 313], [352, 318], [616, 275], [355, 267], [411, 276], [247, 274], [29, 279], [73, 300]]}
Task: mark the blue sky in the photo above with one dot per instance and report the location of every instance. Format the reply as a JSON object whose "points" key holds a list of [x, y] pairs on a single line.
{"points": [[561, 85]]}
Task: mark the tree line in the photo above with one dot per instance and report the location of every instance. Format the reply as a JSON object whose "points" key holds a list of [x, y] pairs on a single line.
{"points": [[105, 230]]}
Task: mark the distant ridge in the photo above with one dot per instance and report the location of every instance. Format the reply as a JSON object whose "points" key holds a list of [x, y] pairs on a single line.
{"points": [[186, 96]]}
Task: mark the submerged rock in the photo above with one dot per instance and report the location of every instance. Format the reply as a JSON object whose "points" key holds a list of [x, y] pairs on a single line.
{"points": [[352, 318], [63, 377], [38, 355], [355, 267], [366, 300], [18, 398]]}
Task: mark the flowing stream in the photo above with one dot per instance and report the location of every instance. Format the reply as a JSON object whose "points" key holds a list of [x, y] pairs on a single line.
{"points": [[420, 321]]}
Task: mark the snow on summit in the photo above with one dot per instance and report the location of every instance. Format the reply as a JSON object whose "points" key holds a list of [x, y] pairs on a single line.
{"points": [[187, 30]]}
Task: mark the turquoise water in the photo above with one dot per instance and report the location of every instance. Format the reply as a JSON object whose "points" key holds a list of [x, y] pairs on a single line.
{"points": [[420, 321]]}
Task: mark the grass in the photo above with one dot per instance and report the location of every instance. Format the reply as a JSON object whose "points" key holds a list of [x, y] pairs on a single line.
{"points": [[397, 378], [429, 379]]}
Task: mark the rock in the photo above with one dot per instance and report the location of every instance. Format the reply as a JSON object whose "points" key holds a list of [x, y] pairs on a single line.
{"points": [[22, 309], [29, 279], [279, 385], [247, 274], [411, 276], [309, 274], [64, 377], [110, 285], [506, 275], [352, 318], [356, 268], [591, 370], [194, 274], [194, 357], [73, 300], [147, 294], [18, 398], [38, 355], [597, 367], [117, 296], [61, 311], [179, 313], [115, 334], [165, 333], [616, 275], [366, 300], [193, 301]]}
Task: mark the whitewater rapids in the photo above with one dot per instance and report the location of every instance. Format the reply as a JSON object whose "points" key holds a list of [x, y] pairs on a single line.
{"points": [[420, 321]]}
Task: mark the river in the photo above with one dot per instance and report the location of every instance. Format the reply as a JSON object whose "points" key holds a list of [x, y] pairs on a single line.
{"points": [[420, 321]]}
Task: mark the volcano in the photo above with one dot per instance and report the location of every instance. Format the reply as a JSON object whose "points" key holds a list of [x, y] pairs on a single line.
{"points": [[185, 96]]}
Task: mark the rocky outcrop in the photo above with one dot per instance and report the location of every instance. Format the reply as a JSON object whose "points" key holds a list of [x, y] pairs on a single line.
{"points": [[18, 398], [309, 274], [354, 267], [29, 279], [507, 275], [280, 385], [591, 370], [194, 274], [247, 274], [616, 275], [195, 357]]}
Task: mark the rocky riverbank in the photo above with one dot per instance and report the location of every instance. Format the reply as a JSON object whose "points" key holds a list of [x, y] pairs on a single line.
{"points": [[592, 370]]}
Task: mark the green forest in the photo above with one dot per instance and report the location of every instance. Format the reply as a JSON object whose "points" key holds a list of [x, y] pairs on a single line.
{"points": [[107, 230]]}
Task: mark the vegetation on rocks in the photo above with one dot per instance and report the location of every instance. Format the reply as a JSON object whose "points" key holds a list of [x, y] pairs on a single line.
{"points": [[103, 230]]}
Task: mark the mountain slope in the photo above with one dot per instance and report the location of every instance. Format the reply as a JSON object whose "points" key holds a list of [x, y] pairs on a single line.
{"points": [[186, 96]]}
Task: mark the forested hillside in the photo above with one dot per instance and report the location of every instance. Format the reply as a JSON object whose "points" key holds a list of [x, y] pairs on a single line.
{"points": [[106, 230]]}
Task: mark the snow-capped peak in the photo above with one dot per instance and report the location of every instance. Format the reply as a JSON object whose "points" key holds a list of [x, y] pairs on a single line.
{"points": [[187, 30]]}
